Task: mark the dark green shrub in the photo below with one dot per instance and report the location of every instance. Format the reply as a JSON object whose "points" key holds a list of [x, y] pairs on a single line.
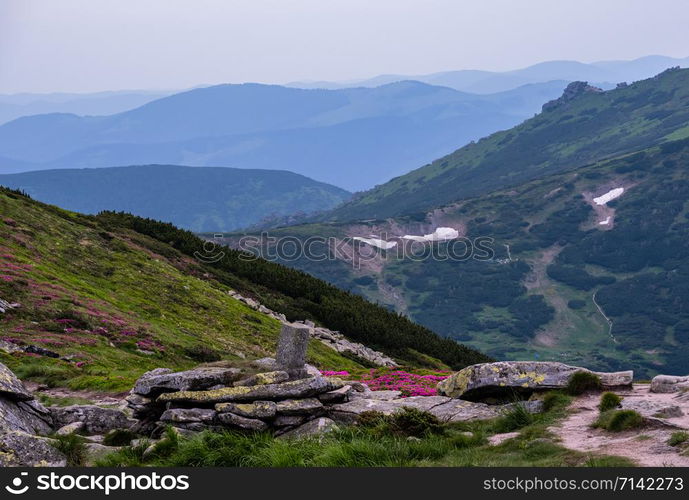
{"points": [[514, 418], [73, 447], [370, 419], [555, 399], [677, 438], [609, 401], [118, 437], [580, 382], [619, 420], [413, 422]]}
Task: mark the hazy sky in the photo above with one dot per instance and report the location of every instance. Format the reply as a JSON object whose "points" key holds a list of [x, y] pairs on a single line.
{"points": [[91, 45]]}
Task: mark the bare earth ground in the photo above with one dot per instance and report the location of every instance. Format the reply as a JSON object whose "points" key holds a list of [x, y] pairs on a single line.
{"points": [[647, 446]]}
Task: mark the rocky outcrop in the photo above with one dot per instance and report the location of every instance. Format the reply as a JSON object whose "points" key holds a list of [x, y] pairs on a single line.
{"points": [[669, 383], [334, 340], [338, 342], [95, 420], [571, 92], [161, 380], [21, 449], [505, 378], [5, 306]]}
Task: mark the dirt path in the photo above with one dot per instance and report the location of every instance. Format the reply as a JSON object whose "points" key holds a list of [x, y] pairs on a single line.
{"points": [[647, 446]]}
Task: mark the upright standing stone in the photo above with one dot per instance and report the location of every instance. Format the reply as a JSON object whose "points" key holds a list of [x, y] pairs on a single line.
{"points": [[291, 351]]}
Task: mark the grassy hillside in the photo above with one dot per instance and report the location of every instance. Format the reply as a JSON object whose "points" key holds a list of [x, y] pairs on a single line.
{"points": [[560, 285], [590, 127], [195, 198], [113, 302]]}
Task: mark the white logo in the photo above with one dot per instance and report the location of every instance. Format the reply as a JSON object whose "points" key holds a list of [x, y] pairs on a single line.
{"points": [[16, 488]]}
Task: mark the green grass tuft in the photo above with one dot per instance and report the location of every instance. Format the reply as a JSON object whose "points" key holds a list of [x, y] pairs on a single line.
{"points": [[73, 447], [609, 401], [619, 420], [581, 382], [678, 438]]}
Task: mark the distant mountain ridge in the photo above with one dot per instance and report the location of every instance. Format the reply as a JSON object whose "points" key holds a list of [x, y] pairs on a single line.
{"points": [[353, 138], [195, 198], [603, 73]]}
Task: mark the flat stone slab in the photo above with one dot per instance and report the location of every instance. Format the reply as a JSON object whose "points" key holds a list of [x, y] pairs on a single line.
{"points": [[249, 424], [302, 388], [501, 378], [188, 415], [96, 420], [307, 406], [257, 409], [162, 380]]}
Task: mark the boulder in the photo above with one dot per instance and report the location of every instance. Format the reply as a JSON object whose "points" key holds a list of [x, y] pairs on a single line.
{"points": [[30, 417], [257, 409], [11, 387], [73, 428], [269, 364], [96, 420], [669, 383], [341, 395], [315, 427], [204, 415], [302, 388], [291, 349], [249, 424], [20, 449], [274, 377], [504, 378], [307, 406], [288, 420], [162, 380]]}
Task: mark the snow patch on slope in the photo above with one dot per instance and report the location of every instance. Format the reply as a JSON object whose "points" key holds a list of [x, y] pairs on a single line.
{"points": [[609, 196], [440, 234]]}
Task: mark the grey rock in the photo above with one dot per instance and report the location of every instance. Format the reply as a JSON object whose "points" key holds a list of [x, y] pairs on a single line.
{"points": [[68, 429], [307, 406], [315, 427], [163, 380], [341, 395], [204, 415], [25, 416], [387, 395], [288, 420], [274, 377], [250, 424], [96, 420], [256, 409], [302, 388], [96, 451], [11, 387], [19, 449], [291, 349], [652, 408], [500, 379], [669, 383]]}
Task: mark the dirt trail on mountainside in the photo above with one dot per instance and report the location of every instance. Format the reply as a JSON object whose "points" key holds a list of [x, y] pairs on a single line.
{"points": [[646, 446]]}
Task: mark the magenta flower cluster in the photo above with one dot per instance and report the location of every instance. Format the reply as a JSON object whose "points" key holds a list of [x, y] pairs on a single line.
{"points": [[409, 384]]}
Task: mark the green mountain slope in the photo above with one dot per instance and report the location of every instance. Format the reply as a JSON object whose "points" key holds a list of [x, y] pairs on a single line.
{"points": [[195, 198], [582, 127], [115, 295], [601, 285]]}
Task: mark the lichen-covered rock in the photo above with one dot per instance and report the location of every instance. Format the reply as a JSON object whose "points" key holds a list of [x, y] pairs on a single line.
{"points": [[302, 388], [72, 428], [176, 415], [257, 409], [11, 387], [503, 378], [341, 395], [307, 406], [162, 380], [274, 377], [669, 383], [315, 427], [20, 449], [288, 420], [96, 420], [30, 417], [250, 424]]}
